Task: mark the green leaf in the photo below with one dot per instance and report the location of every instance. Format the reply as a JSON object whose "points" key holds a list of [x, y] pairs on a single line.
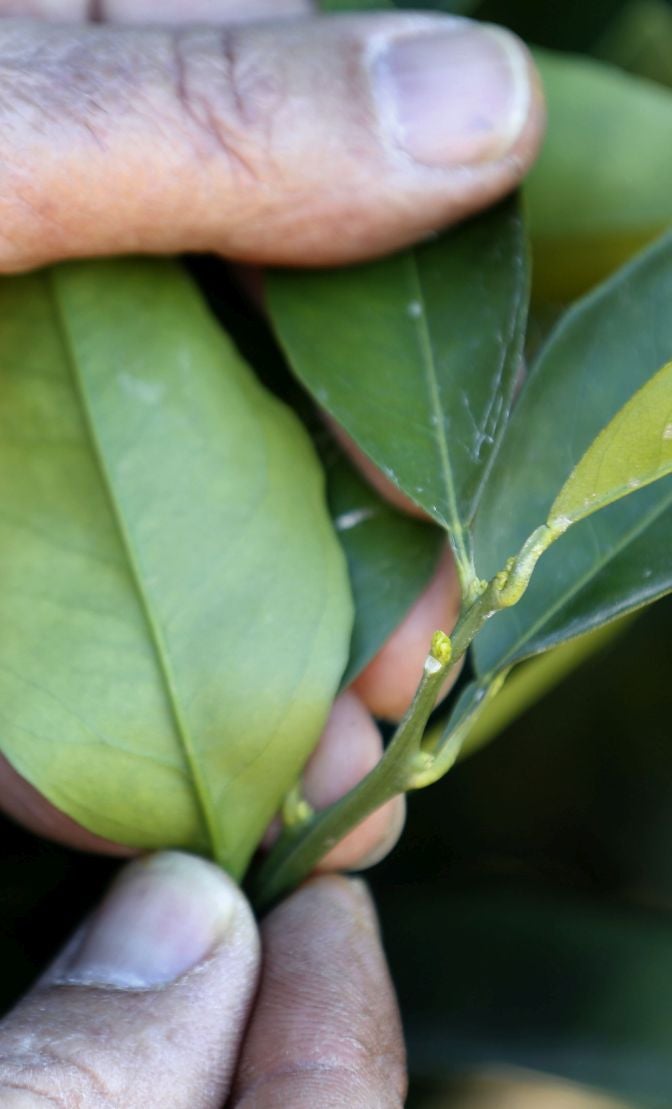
{"points": [[601, 187], [640, 40], [391, 559], [633, 450], [417, 357], [485, 709], [174, 612], [617, 560], [534, 679]]}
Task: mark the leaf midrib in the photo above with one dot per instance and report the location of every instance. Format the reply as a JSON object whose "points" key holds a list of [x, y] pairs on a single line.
{"points": [[157, 640], [462, 555]]}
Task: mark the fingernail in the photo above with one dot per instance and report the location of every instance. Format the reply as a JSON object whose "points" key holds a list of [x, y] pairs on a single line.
{"points": [[162, 916], [456, 97]]}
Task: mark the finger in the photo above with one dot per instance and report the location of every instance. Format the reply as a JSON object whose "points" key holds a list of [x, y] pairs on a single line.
{"points": [[146, 1006], [350, 747], [326, 1027], [306, 141], [154, 11], [21, 801], [200, 11], [386, 686], [375, 477]]}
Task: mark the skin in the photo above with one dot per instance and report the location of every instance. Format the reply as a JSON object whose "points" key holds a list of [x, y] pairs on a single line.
{"points": [[319, 1025], [120, 130]]}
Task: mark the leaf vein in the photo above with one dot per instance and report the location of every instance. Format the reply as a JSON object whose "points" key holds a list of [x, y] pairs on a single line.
{"points": [[153, 624], [462, 555]]}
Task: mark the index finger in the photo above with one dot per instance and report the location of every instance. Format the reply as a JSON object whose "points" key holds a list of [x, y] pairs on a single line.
{"points": [[153, 11], [300, 141]]}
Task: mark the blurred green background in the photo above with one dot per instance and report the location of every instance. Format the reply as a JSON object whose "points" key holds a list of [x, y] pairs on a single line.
{"points": [[528, 909]]}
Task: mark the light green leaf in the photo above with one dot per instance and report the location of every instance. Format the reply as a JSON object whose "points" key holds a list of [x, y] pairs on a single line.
{"points": [[601, 187], [174, 612], [632, 451], [618, 559], [391, 558], [417, 357]]}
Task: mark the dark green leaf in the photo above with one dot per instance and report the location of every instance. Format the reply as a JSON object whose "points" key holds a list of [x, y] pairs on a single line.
{"points": [[174, 613], [535, 21], [533, 679], [640, 40], [608, 564], [417, 356], [601, 187], [391, 558]]}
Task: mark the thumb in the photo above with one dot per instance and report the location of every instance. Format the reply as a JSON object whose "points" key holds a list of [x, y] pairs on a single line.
{"points": [[147, 1005], [308, 141]]}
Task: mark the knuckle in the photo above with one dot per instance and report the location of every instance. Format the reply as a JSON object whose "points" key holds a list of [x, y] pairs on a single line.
{"points": [[48, 103], [229, 95]]}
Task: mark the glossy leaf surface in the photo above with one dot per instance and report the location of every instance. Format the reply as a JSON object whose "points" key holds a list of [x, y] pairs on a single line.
{"points": [[633, 450], [391, 558], [174, 612], [417, 356], [601, 187], [608, 346]]}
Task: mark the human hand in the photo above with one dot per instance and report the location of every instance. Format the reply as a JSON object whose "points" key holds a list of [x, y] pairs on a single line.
{"points": [[152, 1003], [303, 141]]}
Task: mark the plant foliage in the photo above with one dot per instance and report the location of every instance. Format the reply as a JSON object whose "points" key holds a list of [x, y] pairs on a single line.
{"points": [[174, 611]]}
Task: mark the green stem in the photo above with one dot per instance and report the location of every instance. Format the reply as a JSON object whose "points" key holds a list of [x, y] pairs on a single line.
{"points": [[447, 751], [299, 849], [407, 763]]}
